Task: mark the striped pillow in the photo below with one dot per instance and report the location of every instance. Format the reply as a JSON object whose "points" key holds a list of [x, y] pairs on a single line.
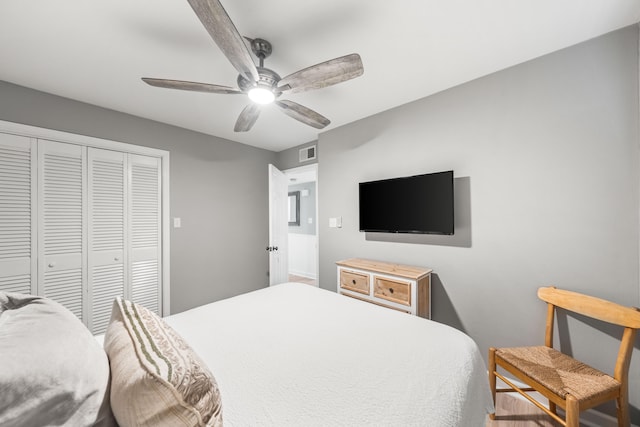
{"points": [[156, 378]]}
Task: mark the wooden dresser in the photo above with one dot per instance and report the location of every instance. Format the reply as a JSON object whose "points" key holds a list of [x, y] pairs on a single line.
{"points": [[396, 286]]}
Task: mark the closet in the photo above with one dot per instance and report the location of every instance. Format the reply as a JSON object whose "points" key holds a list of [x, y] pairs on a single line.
{"points": [[82, 224]]}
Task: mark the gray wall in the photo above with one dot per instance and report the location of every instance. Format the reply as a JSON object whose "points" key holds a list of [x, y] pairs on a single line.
{"points": [[218, 189], [307, 208], [545, 156], [290, 158]]}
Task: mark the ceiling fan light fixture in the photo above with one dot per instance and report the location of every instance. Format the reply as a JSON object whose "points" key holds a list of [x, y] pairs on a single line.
{"points": [[261, 95]]}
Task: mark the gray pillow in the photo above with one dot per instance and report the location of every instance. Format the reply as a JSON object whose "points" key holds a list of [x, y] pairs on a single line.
{"points": [[52, 370]]}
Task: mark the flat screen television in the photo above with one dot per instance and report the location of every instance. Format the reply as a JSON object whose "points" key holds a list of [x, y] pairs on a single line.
{"points": [[414, 204]]}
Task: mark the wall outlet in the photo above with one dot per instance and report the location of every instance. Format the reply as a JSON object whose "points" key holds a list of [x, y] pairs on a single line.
{"points": [[177, 223]]}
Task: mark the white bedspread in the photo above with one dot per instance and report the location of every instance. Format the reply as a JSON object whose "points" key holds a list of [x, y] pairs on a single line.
{"points": [[295, 355]]}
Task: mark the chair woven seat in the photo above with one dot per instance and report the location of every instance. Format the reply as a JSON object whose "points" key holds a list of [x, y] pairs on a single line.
{"points": [[558, 372]]}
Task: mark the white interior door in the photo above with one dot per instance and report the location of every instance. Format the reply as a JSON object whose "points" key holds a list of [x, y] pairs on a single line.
{"points": [[278, 227], [62, 226], [17, 214], [106, 262], [145, 228]]}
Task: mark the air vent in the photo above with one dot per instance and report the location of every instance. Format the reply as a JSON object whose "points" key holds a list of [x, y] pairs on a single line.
{"points": [[308, 153]]}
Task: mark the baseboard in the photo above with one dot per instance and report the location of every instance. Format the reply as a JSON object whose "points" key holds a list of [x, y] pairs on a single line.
{"points": [[304, 274], [589, 418]]}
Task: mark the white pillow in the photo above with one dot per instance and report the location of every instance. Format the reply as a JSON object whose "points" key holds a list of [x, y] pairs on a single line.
{"points": [[52, 371]]}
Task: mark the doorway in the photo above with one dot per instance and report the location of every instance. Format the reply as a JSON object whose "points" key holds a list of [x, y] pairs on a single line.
{"points": [[302, 234]]}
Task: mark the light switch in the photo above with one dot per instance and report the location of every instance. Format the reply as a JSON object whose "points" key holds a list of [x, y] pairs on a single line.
{"points": [[310, 221], [335, 222], [177, 223]]}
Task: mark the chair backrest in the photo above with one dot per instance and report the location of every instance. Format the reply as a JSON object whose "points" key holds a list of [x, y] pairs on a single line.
{"points": [[596, 308]]}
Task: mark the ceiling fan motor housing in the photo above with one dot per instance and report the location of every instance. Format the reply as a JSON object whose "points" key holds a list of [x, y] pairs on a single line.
{"points": [[268, 79]]}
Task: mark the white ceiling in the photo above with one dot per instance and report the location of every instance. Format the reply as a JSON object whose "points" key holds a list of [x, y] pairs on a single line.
{"points": [[96, 51]]}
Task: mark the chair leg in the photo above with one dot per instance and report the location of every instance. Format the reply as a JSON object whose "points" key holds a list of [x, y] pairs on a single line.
{"points": [[492, 379], [573, 412], [622, 406]]}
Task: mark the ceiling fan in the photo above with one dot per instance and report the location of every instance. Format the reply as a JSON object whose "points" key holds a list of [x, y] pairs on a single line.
{"points": [[262, 85]]}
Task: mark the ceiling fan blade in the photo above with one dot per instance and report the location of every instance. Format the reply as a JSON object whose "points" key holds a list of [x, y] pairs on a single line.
{"points": [[193, 86], [221, 29], [303, 114], [247, 118], [324, 74]]}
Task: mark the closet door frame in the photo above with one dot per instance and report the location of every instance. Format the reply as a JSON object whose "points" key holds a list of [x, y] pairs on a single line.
{"points": [[89, 141]]}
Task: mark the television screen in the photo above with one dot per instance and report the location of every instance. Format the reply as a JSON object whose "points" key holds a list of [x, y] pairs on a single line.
{"points": [[415, 204]]}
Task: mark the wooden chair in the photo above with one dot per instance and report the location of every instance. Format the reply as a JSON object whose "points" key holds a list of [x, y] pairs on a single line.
{"points": [[565, 381]]}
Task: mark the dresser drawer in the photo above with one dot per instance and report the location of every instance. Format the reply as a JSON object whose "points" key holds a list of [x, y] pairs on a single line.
{"points": [[392, 290], [377, 303], [353, 281]]}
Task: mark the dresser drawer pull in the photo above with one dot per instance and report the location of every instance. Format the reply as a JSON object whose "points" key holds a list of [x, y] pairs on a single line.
{"points": [[390, 290]]}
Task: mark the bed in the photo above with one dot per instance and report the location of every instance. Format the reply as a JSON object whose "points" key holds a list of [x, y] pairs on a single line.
{"points": [[296, 355]]}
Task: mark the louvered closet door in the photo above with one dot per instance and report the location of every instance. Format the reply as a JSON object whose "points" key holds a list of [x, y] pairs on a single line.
{"points": [[17, 214], [61, 227], [107, 209], [145, 231]]}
